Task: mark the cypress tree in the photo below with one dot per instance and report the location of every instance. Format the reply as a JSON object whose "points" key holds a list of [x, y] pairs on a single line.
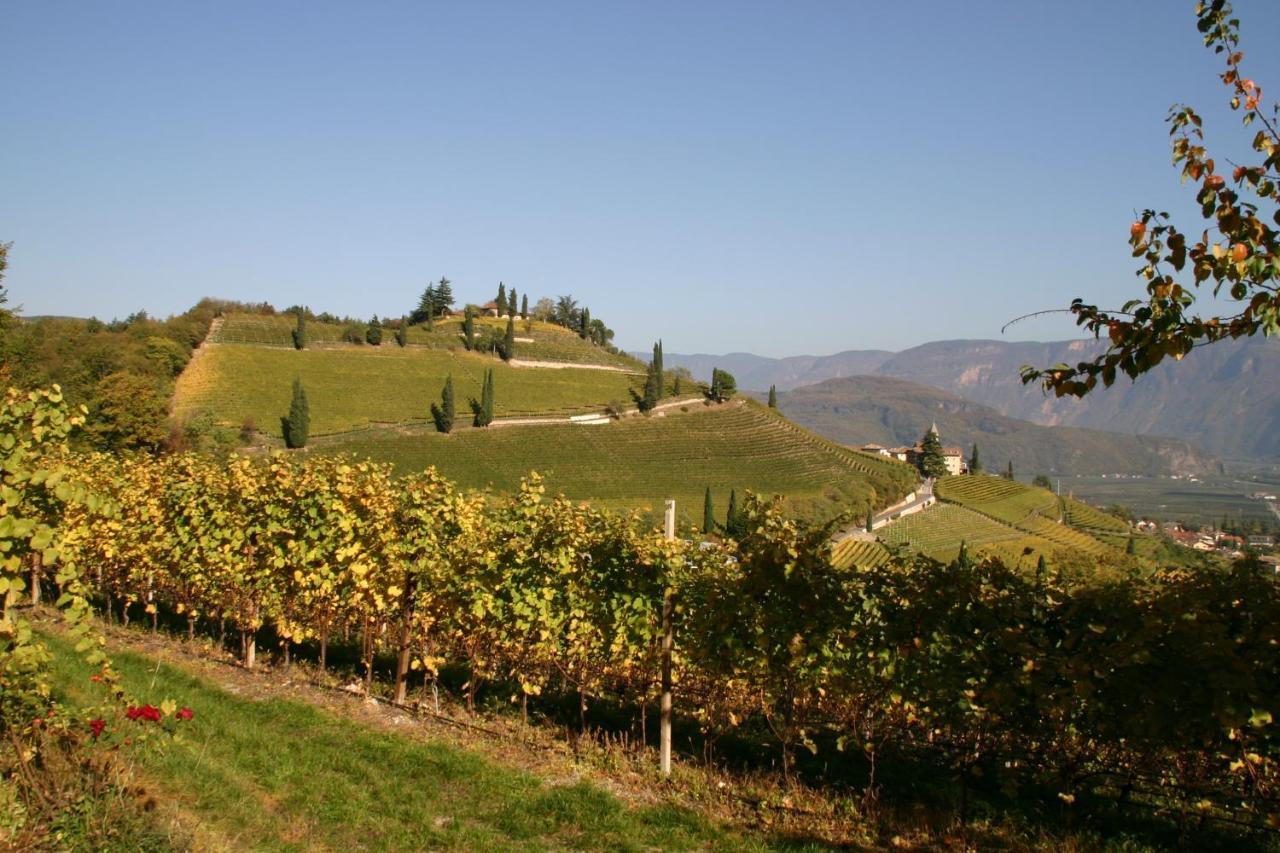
{"points": [[1008, 474], [773, 396], [708, 515], [512, 302], [662, 376], [975, 464], [297, 424], [443, 414], [373, 334], [871, 518], [650, 396], [524, 307], [1130, 546], [509, 340], [502, 299], [468, 331], [484, 412], [677, 386], [962, 559], [731, 517], [300, 332], [402, 332], [585, 331], [1041, 568]]}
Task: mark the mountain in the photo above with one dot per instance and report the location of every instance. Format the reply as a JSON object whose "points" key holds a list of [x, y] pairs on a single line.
{"points": [[889, 411], [757, 373], [1224, 398]]}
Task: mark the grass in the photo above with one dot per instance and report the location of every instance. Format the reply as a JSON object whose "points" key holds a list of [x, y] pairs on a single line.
{"points": [[549, 341], [639, 462], [284, 775], [351, 388]]}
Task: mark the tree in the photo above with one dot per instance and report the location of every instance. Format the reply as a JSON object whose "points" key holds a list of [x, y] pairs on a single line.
{"points": [[732, 518], [484, 409], [773, 396], [128, 412], [661, 369], [649, 399], [975, 463], [962, 559], [297, 424], [509, 339], [443, 303], [513, 303], [1008, 474], [468, 330], [443, 414], [585, 331], [1042, 481], [524, 307], [566, 312], [708, 514], [871, 518], [1130, 547], [4, 265], [373, 334], [402, 332], [932, 461], [426, 306], [677, 385], [723, 385], [501, 301], [300, 332], [1236, 252]]}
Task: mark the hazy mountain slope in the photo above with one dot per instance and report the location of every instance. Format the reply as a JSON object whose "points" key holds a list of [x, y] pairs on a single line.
{"points": [[757, 373], [891, 411], [1225, 397]]}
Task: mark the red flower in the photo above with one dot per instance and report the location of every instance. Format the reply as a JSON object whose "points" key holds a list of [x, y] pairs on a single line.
{"points": [[95, 678], [146, 712], [184, 714], [96, 726]]}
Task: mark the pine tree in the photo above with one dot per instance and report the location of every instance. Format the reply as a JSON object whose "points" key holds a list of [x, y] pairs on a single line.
{"points": [[708, 514], [932, 461], [426, 306], [585, 331], [297, 424], [773, 396], [723, 385], [502, 299], [509, 339], [443, 414], [524, 307], [300, 332], [468, 331], [373, 334], [443, 297], [731, 517], [402, 332], [975, 464]]}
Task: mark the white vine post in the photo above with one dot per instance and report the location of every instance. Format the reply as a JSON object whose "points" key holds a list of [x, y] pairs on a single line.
{"points": [[664, 726]]}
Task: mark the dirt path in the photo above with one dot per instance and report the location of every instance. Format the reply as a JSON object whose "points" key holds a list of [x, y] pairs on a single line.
{"points": [[568, 365]]}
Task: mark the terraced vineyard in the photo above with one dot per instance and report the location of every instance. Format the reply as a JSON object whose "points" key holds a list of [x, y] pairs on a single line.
{"points": [[855, 554], [536, 340], [1086, 517], [640, 461], [1064, 536], [938, 532], [1003, 500], [352, 387]]}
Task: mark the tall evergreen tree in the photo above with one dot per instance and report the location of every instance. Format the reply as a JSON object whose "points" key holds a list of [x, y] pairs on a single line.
{"points": [[975, 463], [932, 461], [962, 559], [402, 332], [649, 398], [731, 515], [484, 411], [662, 372], [509, 339], [468, 331], [1008, 474], [1041, 568], [773, 396], [723, 385], [373, 334], [677, 385], [501, 301], [513, 303], [1131, 547], [300, 332], [871, 517], [297, 424], [708, 514], [524, 307], [585, 331], [426, 306], [443, 296], [443, 414]]}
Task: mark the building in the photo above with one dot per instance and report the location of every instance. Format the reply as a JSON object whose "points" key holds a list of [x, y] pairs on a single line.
{"points": [[953, 456]]}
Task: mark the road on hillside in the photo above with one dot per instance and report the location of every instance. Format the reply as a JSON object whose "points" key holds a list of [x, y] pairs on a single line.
{"points": [[924, 495]]}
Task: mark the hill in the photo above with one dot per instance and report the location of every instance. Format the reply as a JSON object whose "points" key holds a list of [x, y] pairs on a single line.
{"points": [[375, 401], [1224, 398], [883, 410]]}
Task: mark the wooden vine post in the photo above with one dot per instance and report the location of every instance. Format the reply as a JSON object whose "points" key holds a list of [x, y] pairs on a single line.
{"points": [[664, 725]]}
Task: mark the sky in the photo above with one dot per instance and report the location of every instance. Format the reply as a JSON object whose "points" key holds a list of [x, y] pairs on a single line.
{"points": [[779, 178]]}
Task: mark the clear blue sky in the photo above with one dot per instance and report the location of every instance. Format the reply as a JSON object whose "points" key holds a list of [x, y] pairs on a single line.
{"points": [[780, 178]]}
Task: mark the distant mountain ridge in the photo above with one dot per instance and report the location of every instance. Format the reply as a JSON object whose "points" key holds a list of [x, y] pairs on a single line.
{"points": [[1224, 398], [888, 411]]}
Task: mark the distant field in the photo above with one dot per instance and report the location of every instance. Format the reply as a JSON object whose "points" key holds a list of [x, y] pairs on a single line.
{"points": [[550, 342], [352, 387], [639, 462], [1004, 500], [1206, 502], [937, 532]]}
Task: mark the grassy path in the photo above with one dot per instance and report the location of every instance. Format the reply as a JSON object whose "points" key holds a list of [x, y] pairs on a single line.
{"points": [[276, 774]]}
